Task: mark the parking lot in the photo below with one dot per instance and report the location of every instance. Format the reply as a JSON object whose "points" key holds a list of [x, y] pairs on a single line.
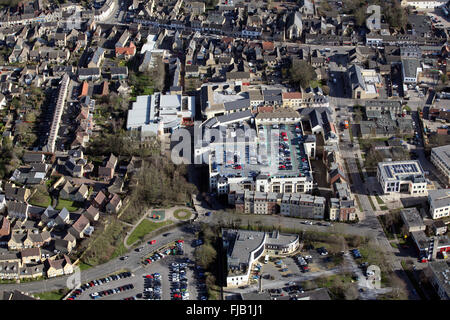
{"points": [[285, 268], [155, 280]]}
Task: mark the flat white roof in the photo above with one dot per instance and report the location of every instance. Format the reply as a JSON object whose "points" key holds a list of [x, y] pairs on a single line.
{"points": [[150, 44]]}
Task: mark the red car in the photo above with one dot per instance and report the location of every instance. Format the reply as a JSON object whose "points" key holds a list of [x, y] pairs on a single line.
{"points": [[148, 276], [180, 241], [238, 167], [152, 242]]}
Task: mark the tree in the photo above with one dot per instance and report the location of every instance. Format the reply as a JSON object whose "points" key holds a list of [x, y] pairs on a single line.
{"points": [[301, 73], [205, 255], [360, 16]]}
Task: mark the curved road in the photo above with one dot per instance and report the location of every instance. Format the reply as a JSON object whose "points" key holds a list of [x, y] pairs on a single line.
{"points": [[132, 263]]}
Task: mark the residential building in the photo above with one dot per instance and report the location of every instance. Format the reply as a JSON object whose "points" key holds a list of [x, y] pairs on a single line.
{"points": [[5, 227], [412, 219], [17, 210], [440, 157], [439, 274], [114, 203], [439, 227], [59, 267], [439, 201], [88, 74], [16, 193], [292, 100], [342, 206], [97, 58], [79, 227], [303, 206], [107, 171], [410, 70], [30, 255]]}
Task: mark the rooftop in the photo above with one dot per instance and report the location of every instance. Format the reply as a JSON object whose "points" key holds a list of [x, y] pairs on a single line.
{"points": [[441, 270], [439, 198], [402, 170]]}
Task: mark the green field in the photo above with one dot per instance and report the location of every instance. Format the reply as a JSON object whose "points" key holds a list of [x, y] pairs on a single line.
{"points": [[379, 200], [371, 203], [182, 214], [84, 266], [69, 205], [51, 295], [144, 228], [41, 202]]}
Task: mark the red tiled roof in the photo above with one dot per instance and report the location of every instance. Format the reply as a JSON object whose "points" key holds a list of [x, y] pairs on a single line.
{"points": [[130, 51], [267, 45], [265, 109], [105, 88], [84, 89], [292, 95]]}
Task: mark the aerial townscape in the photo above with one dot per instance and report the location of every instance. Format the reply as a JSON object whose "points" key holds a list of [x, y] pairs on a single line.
{"points": [[224, 150]]}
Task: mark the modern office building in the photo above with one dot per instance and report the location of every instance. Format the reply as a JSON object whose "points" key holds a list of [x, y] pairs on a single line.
{"points": [[245, 247], [160, 113], [402, 176]]}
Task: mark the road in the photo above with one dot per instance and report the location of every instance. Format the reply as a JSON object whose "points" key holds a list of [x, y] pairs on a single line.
{"points": [[370, 218], [133, 263]]}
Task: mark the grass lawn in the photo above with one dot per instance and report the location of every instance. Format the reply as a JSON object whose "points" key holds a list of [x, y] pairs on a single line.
{"points": [[41, 201], [120, 250], [84, 266], [182, 214], [379, 200], [384, 208], [371, 203], [105, 243], [350, 133], [361, 175], [69, 205], [51, 295], [358, 203], [337, 284], [144, 228]]}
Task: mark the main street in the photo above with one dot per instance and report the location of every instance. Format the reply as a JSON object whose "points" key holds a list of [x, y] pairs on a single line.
{"points": [[370, 218]]}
